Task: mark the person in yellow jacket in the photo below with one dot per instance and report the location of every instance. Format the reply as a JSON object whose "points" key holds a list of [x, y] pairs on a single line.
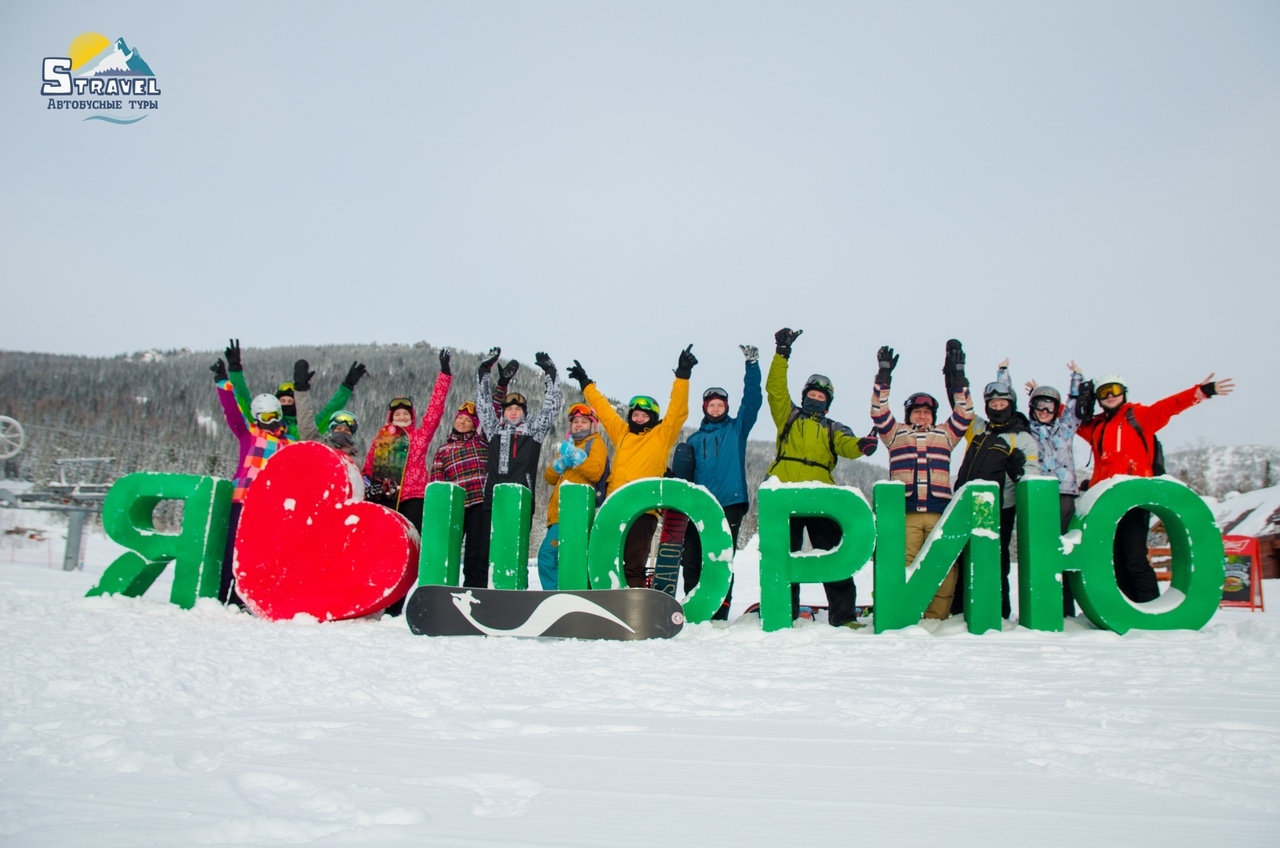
{"points": [[641, 447], [809, 445], [582, 458]]}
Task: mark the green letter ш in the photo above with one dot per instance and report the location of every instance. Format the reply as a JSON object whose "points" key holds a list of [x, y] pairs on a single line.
{"points": [[196, 550], [625, 505], [440, 557], [1086, 553], [779, 567], [970, 525]]}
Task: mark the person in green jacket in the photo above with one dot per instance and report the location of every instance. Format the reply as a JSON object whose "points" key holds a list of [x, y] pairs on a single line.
{"points": [[284, 393], [809, 445]]}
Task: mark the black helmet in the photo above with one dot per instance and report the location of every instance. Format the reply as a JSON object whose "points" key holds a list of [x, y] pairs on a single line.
{"points": [[921, 400]]}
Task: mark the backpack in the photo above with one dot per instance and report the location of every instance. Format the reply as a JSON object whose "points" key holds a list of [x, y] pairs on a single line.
{"points": [[602, 485], [1155, 450], [796, 412]]}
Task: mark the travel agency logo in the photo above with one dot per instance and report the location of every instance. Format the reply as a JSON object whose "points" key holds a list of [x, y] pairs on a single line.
{"points": [[102, 76]]}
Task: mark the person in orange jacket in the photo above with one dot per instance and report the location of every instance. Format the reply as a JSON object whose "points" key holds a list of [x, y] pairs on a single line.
{"points": [[642, 445], [1123, 440], [582, 458]]}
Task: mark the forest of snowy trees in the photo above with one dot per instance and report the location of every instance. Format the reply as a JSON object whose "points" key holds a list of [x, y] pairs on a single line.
{"points": [[158, 411]]}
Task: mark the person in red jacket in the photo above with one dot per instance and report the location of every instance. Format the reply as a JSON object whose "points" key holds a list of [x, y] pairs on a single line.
{"points": [[1123, 440]]}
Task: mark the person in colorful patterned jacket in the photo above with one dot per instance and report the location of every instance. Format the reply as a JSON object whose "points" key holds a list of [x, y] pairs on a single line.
{"points": [[1001, 449], [1054, 424], [461, 460], [720, 464], [809, 446], [1123, 440], [285, 392], [259, 440], [642, 444], [582, 458], [397, 460], [920, 454]]}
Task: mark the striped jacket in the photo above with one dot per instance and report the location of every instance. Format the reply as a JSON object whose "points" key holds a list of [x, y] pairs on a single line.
{"points": [[920, 457], [461, 459], [257, 445]]}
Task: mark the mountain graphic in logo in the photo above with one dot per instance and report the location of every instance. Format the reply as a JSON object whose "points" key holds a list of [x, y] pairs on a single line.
{"points": [[109, 59]]}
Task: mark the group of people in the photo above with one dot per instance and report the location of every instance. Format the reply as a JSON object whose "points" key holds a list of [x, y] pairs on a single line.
{"points": [[494, 439]]}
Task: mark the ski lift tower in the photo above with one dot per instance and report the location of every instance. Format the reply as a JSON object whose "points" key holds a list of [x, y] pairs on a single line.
{"points": [[80, 496]]}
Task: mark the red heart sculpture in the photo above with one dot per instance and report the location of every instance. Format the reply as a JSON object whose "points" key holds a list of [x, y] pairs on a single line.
{"points": [[307, 543]]}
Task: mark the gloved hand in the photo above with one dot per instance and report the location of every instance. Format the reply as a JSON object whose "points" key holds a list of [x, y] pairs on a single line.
{"points": [[219, 370], [1086, 403], [487, 363], [751, 352], [684, 367], [544, 362], [1016, 464], [576, 372], [577, 456], [560, 465], [868, 443], [887, 361], [354, 373], [953, 367], [784, 339], [233, 355], [302, 376], [445, 356], [507, 372]]}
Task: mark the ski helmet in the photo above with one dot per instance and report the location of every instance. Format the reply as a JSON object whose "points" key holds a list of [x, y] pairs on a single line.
{"points": [[1109, 380], [921, 400], [285, 390], [715, 393], [515, 399], [822, 384], [581, 410], [645, 403], [266, 409], [1000, 391], [1041, 394], [345, 418]]}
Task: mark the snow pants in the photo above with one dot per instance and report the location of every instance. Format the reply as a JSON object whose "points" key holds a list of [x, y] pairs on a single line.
{"points": [[919, 526], [226, 583], [691, 556], [475, 546], [549, 558], [842, 595], [1067, 510], [635, 553], [1134, 574]]}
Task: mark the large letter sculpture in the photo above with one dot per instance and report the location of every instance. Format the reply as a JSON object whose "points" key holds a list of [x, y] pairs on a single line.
{"points": [[196, 550], [779, 567], [509, 537], [970, 525], [1085, 556]]}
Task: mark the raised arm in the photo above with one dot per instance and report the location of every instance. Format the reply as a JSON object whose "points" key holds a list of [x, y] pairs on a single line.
{"points": [[610, 420], [552, 400], [489, 421], [775, 385], [752, 396]]}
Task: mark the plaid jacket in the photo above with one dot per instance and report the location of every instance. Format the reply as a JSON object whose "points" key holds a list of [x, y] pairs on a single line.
{"points": [[461, 459], [256, 444]]}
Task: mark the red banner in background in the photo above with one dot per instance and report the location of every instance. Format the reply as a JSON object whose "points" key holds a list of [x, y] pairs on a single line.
{"points": [[1242, 586]]}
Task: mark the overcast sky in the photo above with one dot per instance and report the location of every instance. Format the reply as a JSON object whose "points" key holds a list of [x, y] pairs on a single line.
{"points": [[611, 181]]}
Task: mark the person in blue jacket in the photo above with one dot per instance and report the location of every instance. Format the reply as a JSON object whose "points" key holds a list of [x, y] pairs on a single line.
{"points": [[720, 464]]}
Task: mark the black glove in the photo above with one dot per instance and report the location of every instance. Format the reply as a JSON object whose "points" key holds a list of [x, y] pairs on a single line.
{"points": [[354, 373], [302, 376], [219, 370], [577, 372], [868, 443], [506, 372], [494, 353], [784, 339], [544, 362], [953, 368], [684, 367], [445, 355], [887, 361], [233, 355], [1016, 464], [1086, 403], [1209, 389]]}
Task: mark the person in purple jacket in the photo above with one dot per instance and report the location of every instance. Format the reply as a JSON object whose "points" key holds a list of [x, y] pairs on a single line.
{"points": [[260, 438]]}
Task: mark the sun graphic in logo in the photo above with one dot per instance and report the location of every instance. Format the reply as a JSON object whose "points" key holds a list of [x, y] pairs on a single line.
{"points": [[85, 46]]}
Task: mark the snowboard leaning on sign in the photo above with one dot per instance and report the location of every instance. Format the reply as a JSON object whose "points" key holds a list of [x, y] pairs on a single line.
{"points": [[675, 524]]}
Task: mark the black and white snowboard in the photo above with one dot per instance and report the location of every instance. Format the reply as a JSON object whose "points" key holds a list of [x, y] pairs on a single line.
{"points": [[622, 614], [666, 565]]}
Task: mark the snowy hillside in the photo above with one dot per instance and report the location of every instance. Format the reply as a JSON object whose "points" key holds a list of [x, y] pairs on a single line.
{"points": [[1216, 471], [130, 723]]}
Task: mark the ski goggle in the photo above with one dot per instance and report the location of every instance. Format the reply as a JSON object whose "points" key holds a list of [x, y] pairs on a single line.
{"points": [[343, 419], [818, 381], [1044, 405], [581, 409], [997, 391], [920, 399], [401, 403], [514, 399], [268, 416], [468, 408], [1110, 390], [644, 402], [715, 392]]}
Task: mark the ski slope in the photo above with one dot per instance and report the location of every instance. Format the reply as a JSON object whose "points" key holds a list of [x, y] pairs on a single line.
{"points": [[130, 722]]}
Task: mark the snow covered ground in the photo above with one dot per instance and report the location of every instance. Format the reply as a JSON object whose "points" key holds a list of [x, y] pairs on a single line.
{"points": [[130, 722]]}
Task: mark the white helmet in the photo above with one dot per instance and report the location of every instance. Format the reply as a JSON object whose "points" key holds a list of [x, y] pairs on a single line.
{"points": [[1107, 379], [263, 404]]}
